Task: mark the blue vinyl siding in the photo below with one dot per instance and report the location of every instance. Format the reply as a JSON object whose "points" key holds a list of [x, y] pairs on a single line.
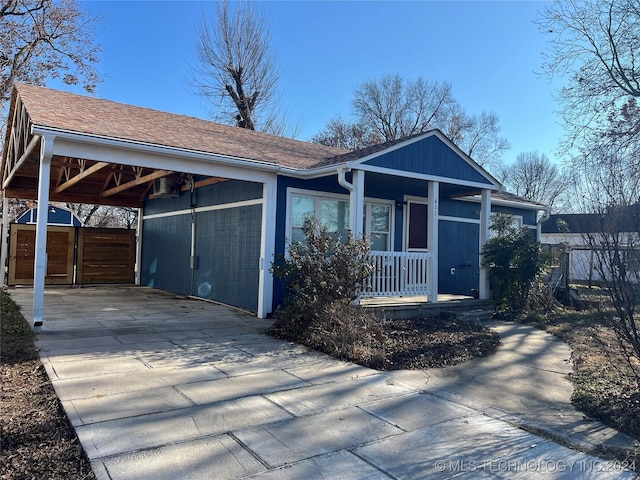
{"points": [[529, 217], [228, 250], [429, 156], [460, 209], [227, 244], [166, 249]]}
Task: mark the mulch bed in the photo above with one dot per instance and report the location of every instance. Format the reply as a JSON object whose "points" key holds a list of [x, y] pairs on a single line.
{"points": [[435, 342], [36, 440]]}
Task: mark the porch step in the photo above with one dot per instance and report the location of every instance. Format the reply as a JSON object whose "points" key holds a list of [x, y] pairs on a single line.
{"points": [[476, 314], [469, 309]]}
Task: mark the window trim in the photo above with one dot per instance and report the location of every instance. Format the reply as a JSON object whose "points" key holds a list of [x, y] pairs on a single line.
{"points": [[318, 195], [517, 219]]}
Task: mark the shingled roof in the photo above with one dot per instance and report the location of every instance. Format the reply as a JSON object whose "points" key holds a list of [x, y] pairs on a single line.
{"points": [[104, 118]]}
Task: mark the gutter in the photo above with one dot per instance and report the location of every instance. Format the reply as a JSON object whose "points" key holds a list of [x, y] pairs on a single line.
{"points": [[545, 217], [342, 179]]}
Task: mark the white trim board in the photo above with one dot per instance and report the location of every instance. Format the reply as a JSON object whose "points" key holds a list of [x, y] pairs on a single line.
{"points": [[188, 211]]}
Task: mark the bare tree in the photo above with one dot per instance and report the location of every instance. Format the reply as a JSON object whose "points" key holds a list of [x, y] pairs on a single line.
{"points": [[46, 39], [391, 107], [236, 71], [42, 40], [606, 185], [395, 108], [104, 216], [481, 140], [595, 44], [535, 178], [340, 133]]}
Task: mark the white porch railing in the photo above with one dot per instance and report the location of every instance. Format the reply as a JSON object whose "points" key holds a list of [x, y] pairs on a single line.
{"points": [[399, 274]]}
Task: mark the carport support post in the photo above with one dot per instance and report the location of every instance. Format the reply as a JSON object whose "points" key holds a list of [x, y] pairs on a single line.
{"points": [[40, 262], [485, 221], [432, 236], [4, 239]]}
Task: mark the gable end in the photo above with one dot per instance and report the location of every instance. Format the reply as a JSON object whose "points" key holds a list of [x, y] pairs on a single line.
{"points": [[431, 156]]}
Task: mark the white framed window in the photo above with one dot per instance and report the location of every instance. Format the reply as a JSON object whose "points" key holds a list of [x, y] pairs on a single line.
{"points": [[333, 212], [516, 220]]}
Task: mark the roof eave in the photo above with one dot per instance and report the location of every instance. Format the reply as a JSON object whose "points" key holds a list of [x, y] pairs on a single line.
{"points": [[153, 148]]}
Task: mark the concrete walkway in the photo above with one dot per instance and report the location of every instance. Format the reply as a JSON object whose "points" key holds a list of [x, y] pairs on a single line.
{"points": [[162, 387]]}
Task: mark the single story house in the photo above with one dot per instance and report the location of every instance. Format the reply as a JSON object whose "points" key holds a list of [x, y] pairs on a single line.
{"points": [[219, 203]]}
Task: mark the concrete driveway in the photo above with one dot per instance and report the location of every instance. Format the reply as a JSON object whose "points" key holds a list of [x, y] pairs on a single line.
{"points": [[162, 387]]}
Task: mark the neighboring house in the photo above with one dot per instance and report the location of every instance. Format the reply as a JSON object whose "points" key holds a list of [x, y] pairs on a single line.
{"points": [[577, 234], [219, 203]]}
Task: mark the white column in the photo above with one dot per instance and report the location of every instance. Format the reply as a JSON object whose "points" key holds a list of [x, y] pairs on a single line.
{"points": [[139, 246], [40, 262], [356, 204], [5, 237], [485, 222], [432, 236], [267, 246]]}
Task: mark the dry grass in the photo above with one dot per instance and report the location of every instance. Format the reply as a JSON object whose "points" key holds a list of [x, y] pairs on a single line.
{"points": [[606, 387]]}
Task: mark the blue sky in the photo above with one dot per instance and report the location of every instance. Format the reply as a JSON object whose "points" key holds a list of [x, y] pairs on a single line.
{"points": [[488, 51]]}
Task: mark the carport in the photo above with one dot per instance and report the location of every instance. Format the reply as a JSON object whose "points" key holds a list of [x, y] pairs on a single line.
{"points": [[69, 148]]}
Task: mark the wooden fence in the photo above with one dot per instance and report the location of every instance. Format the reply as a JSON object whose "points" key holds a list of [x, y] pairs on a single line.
{"points": [[78, 256]]}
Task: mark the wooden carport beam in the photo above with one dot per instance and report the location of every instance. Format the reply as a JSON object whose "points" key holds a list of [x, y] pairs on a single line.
{"points": [[85, 173], [138, 181], [23, 158]]}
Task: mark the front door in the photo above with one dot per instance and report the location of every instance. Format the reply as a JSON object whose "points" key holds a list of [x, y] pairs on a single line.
{"points": [[416, 233]]}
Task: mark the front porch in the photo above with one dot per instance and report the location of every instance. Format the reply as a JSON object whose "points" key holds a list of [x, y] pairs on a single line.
{"points": [[417, 306], [402, 285]]}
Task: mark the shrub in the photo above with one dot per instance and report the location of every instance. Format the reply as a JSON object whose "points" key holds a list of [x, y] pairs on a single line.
{"points": [[322, 276], [514, 260]]}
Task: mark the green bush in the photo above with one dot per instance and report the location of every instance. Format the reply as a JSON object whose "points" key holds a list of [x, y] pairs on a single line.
{"points": [[514, 260], [322, 276]]}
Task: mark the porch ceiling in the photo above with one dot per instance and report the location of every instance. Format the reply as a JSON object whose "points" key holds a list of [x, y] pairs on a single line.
{"points": [[416, 185]]}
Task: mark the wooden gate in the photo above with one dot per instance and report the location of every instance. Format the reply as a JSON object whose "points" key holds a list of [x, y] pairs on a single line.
{"points": [[60, 247], [104, 255]]}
